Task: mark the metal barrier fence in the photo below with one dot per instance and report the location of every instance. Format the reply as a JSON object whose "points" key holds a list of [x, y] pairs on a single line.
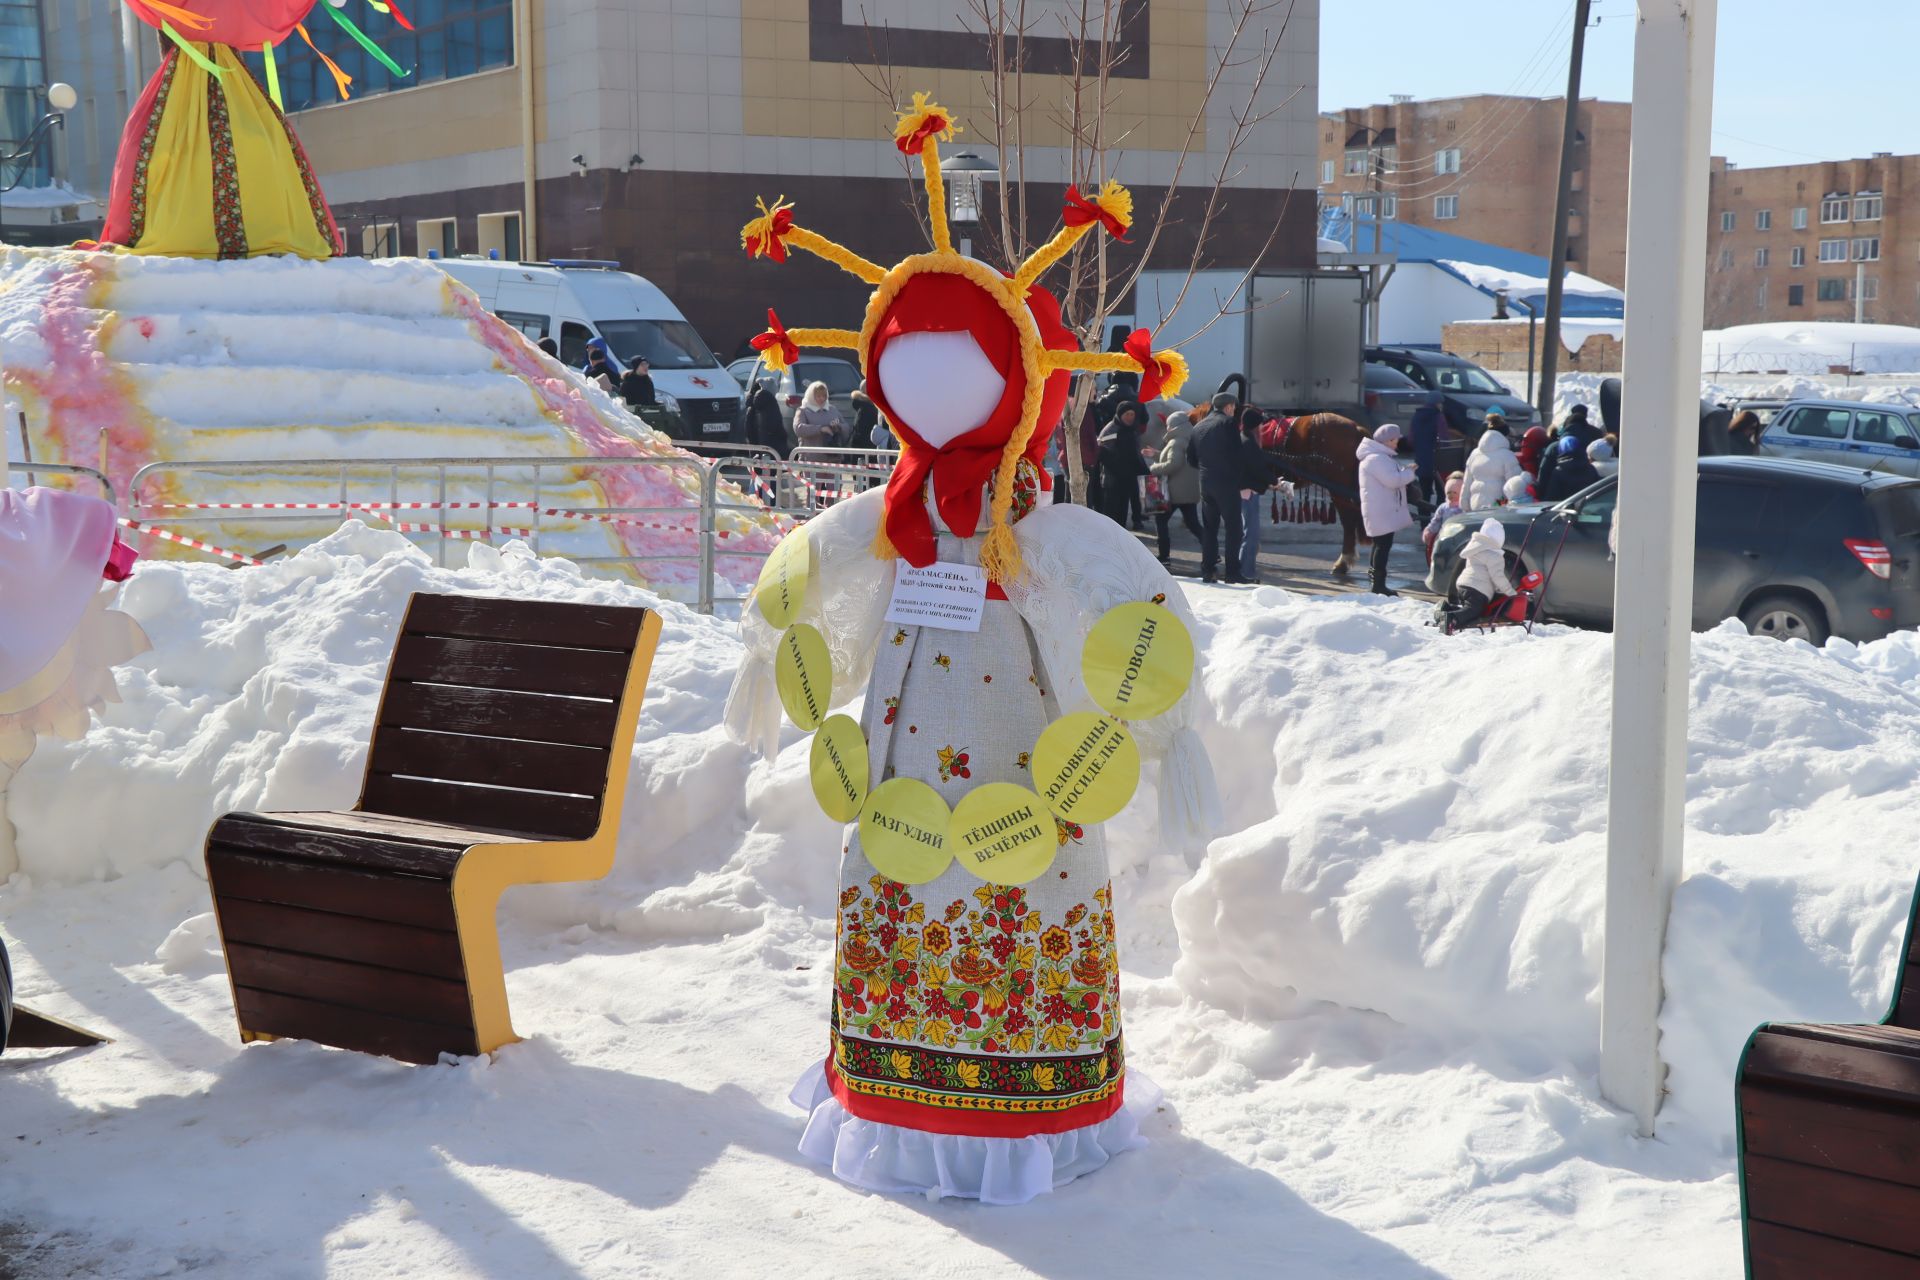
{"points": [[33, 470]]}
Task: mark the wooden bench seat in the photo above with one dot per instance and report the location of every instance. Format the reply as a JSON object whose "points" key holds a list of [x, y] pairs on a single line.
{"points": [[1829, 1130], [499, 757]]}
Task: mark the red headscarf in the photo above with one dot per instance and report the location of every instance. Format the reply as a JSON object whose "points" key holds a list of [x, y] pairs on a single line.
{"points": [[944, 302], [245, 24]]}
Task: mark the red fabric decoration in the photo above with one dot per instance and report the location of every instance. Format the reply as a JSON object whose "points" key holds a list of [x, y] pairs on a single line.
{"points": [[1079, 211], [775, 247], [393, 11], [245, 24], [1153, 372], [914, 142], [943, 302], [776, 336]]}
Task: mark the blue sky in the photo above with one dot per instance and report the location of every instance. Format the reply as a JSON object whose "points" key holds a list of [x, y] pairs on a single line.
{"points": [[1796, 79]]}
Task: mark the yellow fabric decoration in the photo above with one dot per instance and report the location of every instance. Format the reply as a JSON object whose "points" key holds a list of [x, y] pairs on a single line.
{"points": [[916, 118], [1118, 201]]}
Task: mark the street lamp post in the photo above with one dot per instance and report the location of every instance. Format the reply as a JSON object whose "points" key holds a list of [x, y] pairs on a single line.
{"points": [[60, 99], [961, 175]]}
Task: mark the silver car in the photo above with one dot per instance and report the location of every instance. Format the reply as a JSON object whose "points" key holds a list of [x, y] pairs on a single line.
{"points": [[1874, 437], [841, 376]]}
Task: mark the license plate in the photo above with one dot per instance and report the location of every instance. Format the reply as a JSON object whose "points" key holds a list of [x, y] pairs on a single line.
{"points": [[716, 428]]}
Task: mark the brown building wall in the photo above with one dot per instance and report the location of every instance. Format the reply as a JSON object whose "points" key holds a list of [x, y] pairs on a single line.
{"points": [[1503, 345], [1735, 278], [1508, 171]]}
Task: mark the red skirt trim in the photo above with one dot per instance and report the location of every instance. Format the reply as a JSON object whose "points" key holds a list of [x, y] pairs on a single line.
{"points": [[973, 1123]]}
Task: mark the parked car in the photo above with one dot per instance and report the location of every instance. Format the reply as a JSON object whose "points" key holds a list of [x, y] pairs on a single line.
{"points": [[1391, 396], [1763, 408], [841, 376], [1796, 550], [1469, 390], [1877, 437]]}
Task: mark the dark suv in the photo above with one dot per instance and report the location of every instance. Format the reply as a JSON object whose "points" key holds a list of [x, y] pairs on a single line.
{"points": [[1796, 550], [1469, 391]]}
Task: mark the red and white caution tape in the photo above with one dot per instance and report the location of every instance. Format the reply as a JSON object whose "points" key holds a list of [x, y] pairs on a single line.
{"points": [[185, 541]]}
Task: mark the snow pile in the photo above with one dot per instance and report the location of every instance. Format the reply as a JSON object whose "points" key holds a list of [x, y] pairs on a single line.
{"points": [[1519, 284], [1810, 348], [142, 360], [1372, 1006]]}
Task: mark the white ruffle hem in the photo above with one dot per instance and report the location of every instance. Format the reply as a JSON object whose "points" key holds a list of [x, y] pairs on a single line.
{"points": [[890, 1159]]}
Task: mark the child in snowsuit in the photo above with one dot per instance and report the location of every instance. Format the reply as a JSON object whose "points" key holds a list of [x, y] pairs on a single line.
{"points": [[1482, 577], [1441, 513]]}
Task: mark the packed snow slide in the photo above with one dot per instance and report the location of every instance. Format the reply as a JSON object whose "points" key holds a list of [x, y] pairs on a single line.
{"points": [[128, 361]]}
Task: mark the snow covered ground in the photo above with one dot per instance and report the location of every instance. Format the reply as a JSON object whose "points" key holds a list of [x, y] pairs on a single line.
{"points": [[1372, 1006]]}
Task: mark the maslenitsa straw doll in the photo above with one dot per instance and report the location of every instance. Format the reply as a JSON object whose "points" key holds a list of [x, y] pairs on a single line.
{"points": [[1017, 658]]}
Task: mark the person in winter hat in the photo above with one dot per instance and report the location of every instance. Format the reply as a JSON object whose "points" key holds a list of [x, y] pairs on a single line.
{"points": [[1442, 513], [1383, 499], [1182, 483], [1497, 421], [1214, 450], [1579, 427], [1425, 434], [1532, 445], [601, 366], [1483, 575], [766, 425], [1121, 461], [1599, 451], [816, 423], [1520, 489], [1570, 472], [1488, 471], [1257, 477]]}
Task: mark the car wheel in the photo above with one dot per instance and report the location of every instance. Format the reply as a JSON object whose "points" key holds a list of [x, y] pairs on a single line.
{"points": [[1786, 618]]}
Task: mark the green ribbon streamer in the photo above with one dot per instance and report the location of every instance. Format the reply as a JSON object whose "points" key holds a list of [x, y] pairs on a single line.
{"points": [[378, 54], [273, 75], [199, 59]]}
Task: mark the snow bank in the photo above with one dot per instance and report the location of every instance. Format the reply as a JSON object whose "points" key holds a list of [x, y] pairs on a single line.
{"points": [[1810, 348], [1518, 284]]}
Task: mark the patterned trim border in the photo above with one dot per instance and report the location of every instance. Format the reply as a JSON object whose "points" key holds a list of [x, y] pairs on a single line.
{"points": [[229, 226], [143, 157], [977, 1082]]}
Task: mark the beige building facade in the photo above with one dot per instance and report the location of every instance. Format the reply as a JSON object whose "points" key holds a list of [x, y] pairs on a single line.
{"points": [[1834, 240], [1486, 167]]}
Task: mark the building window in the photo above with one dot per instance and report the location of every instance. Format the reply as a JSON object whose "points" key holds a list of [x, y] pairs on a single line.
{"points": [[1387, 158], [1835, 209], [1866, 206], [1800, 218], [1446, 207], [1447, 160], [1796, 295], [380, 240], [1798, 258], [1832, 290], [1726, 259], [1356, 162], [1866, 249], [451, 40], [1389, 208], [1760, 296], [1833, 251], [436, 236], [1760, 257], [1763, 219], [1870, 289], [1726, 220], [23, 76], [500, 236], [1346, 204], [1326, 172]]}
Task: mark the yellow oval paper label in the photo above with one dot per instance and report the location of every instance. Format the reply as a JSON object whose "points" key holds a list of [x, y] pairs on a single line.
{"points": [[1003, 833], [1138, 660], [839, 768], [783, 579], [803, 673], [903, 831], [1086, 766]]}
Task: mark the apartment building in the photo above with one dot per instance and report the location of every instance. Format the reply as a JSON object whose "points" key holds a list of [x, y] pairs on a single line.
{"points": [[1832, 240], [1486, 167]]}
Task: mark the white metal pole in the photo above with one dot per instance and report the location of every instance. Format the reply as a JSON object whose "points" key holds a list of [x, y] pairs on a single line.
{"points": [[1653, 597], [1859, 297]]}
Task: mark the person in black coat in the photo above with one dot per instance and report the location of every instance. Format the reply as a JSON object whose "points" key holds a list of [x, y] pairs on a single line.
{"points": [[1216, 450], [765, 426], [636, 385], [866, 415], [1122, 463], [1571, 469]]}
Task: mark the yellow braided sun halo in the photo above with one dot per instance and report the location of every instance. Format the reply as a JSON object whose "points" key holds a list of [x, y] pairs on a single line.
{"points": [[919, 130]]}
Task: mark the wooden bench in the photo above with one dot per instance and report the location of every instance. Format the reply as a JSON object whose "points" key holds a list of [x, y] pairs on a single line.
{"points": [[499, 758], [1829, 1125]]}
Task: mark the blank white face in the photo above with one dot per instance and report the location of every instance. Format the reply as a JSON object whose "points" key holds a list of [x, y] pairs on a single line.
{"points": [[939, 384]]}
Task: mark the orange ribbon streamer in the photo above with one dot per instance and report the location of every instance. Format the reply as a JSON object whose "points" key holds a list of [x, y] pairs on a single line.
{"points": [[340, 78]]}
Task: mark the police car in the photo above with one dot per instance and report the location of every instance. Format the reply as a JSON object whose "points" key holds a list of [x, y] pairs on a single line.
{"points": [[1873, 437]]}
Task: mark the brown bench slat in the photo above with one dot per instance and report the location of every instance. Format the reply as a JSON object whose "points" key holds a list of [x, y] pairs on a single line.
{"points": [[1833, 1133], [496, 713], [392, 826], [339, 847], [433, 952], [525, 668], [1867, 1210], [412, 900], [359, 986], [573, 626], [1782, 1253], [1880, 1064], [542, 766], [537, 812], [297, 1018]]}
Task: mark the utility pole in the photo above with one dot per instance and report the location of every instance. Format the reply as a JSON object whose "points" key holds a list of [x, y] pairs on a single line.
{"points": [[1556, 287]]}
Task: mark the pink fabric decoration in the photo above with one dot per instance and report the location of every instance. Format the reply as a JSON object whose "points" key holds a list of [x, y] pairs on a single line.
{"points": [[52, 548], [119, 561]]}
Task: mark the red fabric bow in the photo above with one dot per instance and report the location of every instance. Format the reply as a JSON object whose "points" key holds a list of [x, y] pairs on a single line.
{"points": [[1079, 211], [393, 11], [1153, 372], [914, 142], [771, 245], [776, 335]]}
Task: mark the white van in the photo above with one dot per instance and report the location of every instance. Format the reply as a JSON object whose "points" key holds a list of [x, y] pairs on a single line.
{"points": [[572, 301]]}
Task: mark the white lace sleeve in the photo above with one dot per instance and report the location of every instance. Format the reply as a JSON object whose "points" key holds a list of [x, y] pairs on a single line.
{"points": [[846, 599], [1079, 564]]}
